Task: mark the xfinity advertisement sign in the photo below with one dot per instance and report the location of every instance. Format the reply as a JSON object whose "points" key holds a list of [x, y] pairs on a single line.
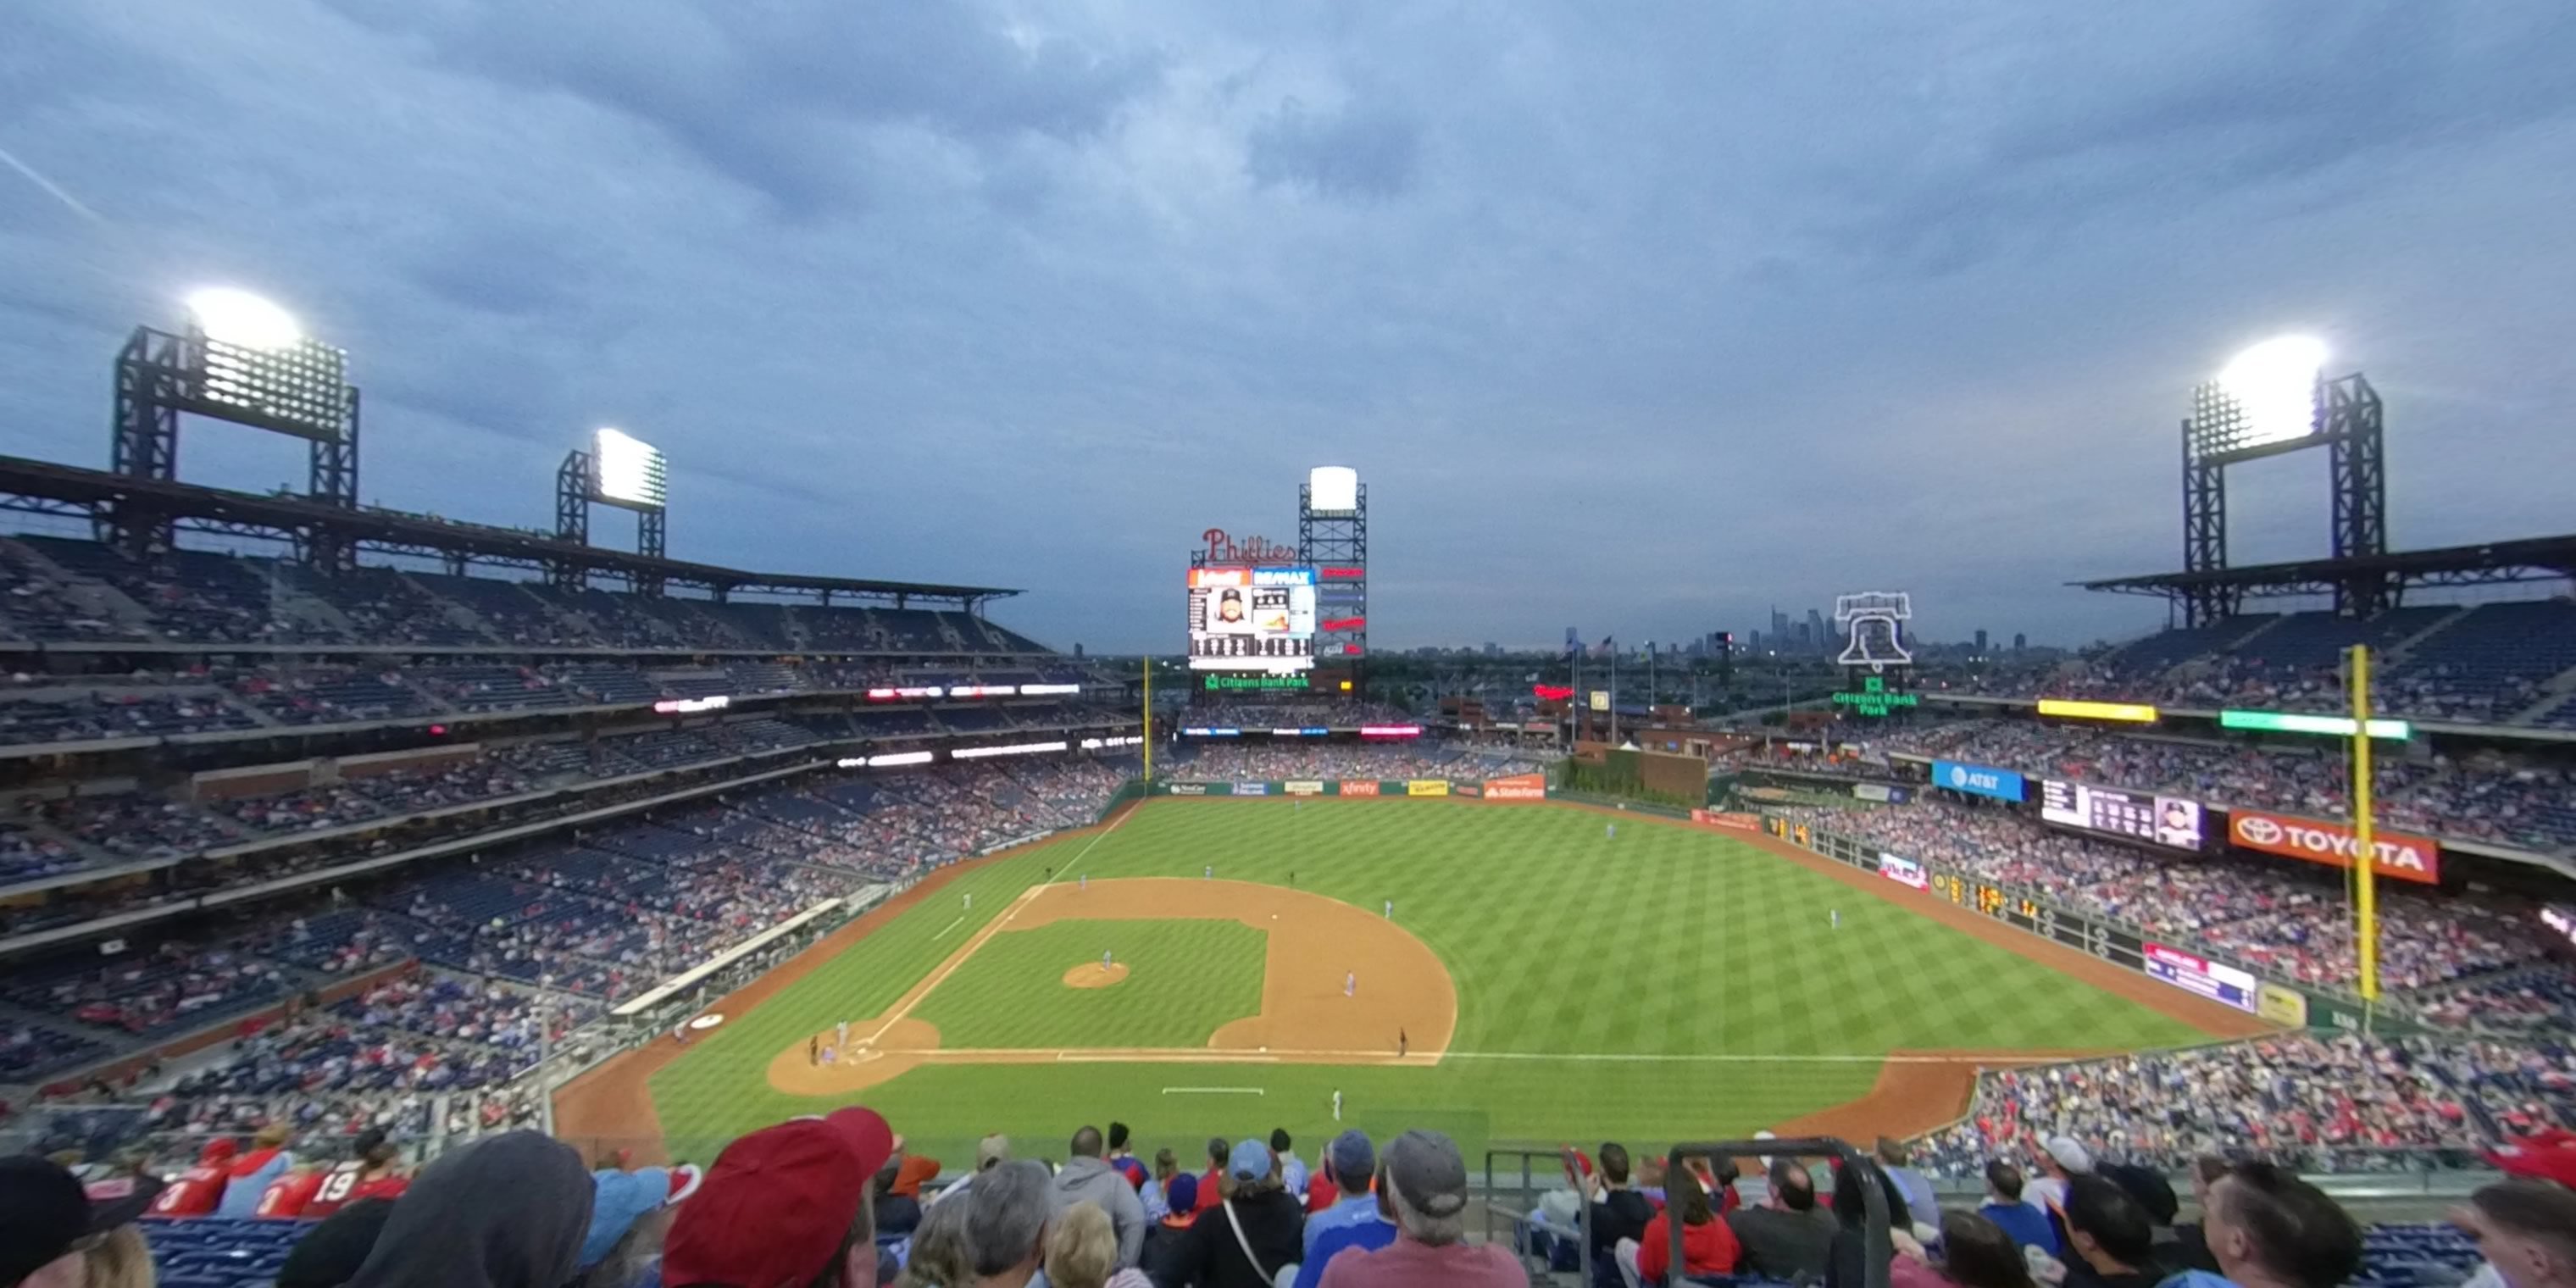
{"points": [[1977, 780]]}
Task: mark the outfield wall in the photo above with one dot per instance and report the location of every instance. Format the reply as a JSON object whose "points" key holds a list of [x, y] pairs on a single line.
{"points": [[2185, 967], [1513, 787]]}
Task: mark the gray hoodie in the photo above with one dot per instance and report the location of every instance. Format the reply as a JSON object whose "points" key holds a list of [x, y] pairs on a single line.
{"points": [[1094, 1181]]}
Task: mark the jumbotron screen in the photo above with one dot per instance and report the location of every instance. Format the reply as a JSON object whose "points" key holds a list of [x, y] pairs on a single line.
{"points": [[2163, 820], [1252, 619]]}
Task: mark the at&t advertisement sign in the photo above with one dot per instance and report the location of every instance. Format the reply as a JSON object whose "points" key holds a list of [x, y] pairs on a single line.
{"points": [[1978, 780]]}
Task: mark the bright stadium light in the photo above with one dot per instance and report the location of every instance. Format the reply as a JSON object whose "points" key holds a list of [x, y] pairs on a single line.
{"points": [[241, 318], [628, 470], [1332, 489], [2275, 385]]}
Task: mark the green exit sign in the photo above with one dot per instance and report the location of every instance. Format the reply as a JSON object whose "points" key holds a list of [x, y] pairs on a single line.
{"points": [[1875, 698]]}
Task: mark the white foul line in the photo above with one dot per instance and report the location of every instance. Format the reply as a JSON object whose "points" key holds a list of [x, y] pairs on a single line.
{"points": [[1213, 1091], [949, 967], [961, 920]]}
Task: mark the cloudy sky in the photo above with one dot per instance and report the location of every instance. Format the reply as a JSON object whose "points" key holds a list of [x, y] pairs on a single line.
{"points": [[1635, 317]]}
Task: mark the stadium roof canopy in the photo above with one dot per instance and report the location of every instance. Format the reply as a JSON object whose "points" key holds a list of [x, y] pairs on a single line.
{"points": [[2529, 559], [43, 487]]}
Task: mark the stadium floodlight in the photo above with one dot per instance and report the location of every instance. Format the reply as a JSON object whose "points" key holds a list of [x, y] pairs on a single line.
{"points": [[2275, 385], [1332, 489], [628, 471], [241, 318], [255, 365]]}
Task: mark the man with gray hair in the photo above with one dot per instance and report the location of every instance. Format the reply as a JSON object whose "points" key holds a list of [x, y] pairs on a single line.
{"points": [[1006, 1223], [1427, 1179]]}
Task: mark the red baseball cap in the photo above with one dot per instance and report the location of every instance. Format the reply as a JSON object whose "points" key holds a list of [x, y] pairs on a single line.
{"points": [[776, 1205]]}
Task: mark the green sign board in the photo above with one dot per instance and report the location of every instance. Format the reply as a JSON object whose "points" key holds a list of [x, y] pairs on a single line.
{"points": [[1875, 698], [1221, 683], [2293, 722]]}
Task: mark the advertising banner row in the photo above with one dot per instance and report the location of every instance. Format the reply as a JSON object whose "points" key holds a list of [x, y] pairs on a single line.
{"points": [[1517, 787], [2177, 821], [2183, 968]]}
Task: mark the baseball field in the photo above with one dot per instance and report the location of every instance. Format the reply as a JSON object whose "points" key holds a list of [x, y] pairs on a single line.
{"points": [[1506, 973]]}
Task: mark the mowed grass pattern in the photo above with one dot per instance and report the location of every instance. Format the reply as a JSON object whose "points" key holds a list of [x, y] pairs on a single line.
{"points": [[1668, 983], [1184, 979]]}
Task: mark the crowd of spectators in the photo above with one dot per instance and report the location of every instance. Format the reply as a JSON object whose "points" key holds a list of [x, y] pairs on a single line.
{"points": [[2284, 918], [2493, 664], [2345, 1102], [840, 1201], [2539, 1002], [58, 589], [626, 907]]}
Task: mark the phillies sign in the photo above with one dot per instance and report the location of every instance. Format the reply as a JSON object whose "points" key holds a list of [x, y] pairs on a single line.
{"points": [[2398, 855], [1222, 549]]}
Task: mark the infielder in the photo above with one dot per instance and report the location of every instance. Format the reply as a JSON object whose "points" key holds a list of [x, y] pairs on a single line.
{"points": [[1835, 918], [1351, 984], [841, 1034], [1337, 1104]]}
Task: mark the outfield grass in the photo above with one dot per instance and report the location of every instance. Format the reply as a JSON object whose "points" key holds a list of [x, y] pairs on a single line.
{"points": [[1668, 983], [1185, 978]]}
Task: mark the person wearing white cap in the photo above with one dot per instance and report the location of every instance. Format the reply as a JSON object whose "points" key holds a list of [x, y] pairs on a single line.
{"points": [[2060, 1158]]}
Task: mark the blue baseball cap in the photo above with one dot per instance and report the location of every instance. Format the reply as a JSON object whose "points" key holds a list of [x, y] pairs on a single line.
{"points": [[1351, 1155], [1250, 1161]]}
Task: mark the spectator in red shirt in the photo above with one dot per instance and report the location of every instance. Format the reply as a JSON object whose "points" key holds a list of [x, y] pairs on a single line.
{"points": [[1211, 1183], [201, 1187], [1708, 1246]]}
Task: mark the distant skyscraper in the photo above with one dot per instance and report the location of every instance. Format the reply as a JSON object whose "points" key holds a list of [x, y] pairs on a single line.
{"points": [[1779, 627], [1981, 641], [2020, 641], [1816, 635]]}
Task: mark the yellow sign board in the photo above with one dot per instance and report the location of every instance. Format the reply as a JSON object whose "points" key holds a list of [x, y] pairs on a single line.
{"points": [[2131, 712]]}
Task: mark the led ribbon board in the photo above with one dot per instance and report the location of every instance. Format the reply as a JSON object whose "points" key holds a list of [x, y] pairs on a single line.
{"points": [[2328, 726], [2127, 712]]}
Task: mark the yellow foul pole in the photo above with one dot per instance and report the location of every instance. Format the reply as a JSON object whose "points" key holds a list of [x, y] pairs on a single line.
{"points": [[1149, 717], [2365, 847]]}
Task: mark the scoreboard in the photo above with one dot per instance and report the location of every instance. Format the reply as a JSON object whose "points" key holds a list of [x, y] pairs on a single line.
{"points": [[2157, 820]]}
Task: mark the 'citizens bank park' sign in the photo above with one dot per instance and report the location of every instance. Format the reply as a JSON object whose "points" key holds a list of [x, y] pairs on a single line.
{"points": [[2400, 856]]}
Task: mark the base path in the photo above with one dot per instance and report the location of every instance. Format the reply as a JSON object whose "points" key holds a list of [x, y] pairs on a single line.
{"points": [[1310, 1011]]}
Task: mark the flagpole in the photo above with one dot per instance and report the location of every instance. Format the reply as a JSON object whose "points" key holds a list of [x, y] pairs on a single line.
{"points": [[1614, 690], [1149, 719]]}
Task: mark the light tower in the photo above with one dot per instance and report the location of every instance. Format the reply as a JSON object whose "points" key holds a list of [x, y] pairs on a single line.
{"points": [[619, 470], [1332, 536], [2275, 398], [244, 360]]}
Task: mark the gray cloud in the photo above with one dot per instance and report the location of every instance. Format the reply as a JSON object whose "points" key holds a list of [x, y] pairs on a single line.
{"points": [[1342, 154], [1637, 320]]}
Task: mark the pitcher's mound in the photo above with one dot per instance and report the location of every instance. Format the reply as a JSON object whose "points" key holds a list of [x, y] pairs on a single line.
{"points": [[1095, 975]]}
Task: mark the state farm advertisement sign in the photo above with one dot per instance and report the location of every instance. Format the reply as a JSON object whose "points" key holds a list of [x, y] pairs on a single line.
{"points": [[1518, 787], [2401, 857]]}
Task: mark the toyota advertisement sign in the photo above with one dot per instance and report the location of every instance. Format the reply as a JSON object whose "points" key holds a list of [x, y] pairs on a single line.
{"points": [[1978, 780], [2401, 857]]}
